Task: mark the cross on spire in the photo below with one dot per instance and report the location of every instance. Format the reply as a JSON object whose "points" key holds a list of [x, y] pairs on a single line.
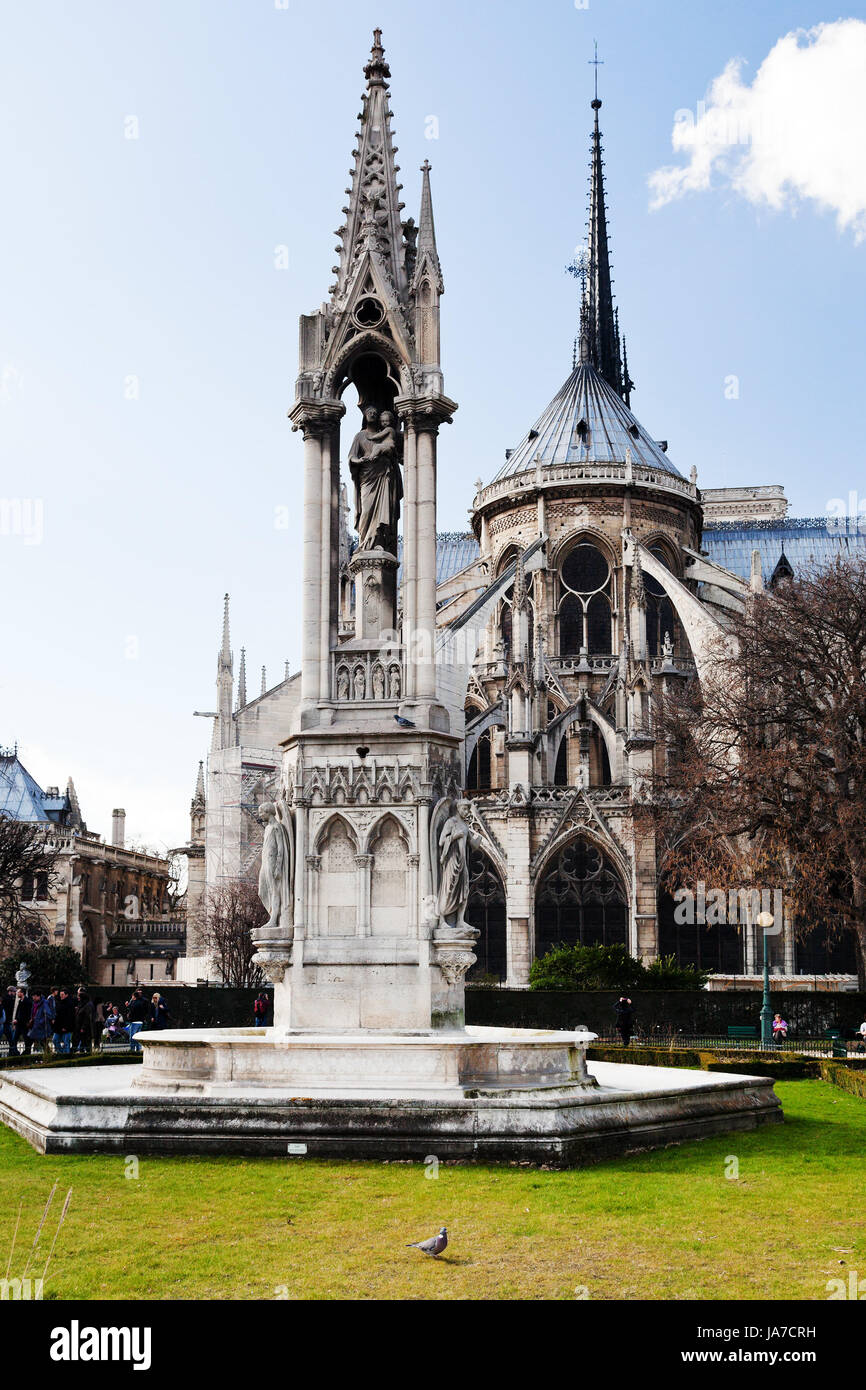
{"points": [[597, 63]]}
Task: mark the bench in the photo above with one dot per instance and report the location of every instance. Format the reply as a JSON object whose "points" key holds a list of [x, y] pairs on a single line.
{"points": [[838, 1045], [740, 1031]]}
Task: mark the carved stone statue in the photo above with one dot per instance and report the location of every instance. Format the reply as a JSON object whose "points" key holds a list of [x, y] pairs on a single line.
{"points": [[456, 842], [277, 874], [22, 976], [374, 462]]}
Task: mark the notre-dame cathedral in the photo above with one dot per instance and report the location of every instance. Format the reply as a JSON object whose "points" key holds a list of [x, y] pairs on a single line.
{"points": [[596, 573]]}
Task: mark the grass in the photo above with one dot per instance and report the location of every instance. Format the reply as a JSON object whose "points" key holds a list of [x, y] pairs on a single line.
{"points": [[664, 1225]]}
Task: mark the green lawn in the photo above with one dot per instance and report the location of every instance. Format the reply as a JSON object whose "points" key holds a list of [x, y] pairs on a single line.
{"points": [[668, 1224]]}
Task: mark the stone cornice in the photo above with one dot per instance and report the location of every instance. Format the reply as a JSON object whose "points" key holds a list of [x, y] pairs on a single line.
{"points": [[316, 417], [426, 412]]}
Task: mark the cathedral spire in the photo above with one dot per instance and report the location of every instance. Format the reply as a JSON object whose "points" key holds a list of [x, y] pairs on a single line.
{"points": [[242, 679], [372, 214], [603, 328], [225, 657], [198, 800], [427, 256]]}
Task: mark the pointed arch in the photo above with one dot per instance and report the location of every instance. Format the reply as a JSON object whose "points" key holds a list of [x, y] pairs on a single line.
{"points": [[580, 897]]}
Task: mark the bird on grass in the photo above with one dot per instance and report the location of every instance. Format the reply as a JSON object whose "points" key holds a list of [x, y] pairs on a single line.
{"points": [[434, 1246], [404, 723]]}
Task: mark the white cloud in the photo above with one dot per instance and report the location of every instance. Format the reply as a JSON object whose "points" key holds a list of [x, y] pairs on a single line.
{"points": [[798, 133]]}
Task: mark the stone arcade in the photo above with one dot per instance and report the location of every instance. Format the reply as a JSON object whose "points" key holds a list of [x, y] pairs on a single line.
{"points": [[365, 868]]}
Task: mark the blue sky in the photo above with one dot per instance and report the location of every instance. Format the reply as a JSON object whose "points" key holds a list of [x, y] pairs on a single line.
{"points": [[148, 341]]}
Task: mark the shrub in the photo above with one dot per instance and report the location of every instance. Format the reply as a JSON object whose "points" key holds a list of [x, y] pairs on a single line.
{"points": [[664, 973], [609, 967], [586, 967]]}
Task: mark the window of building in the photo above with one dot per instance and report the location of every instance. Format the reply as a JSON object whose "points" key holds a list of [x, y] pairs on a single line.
{"points": [[580, 899], [661, 615], [585, 607], [486, 911]]}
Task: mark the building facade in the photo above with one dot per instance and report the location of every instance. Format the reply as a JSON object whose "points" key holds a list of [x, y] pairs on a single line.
{"points": [[596, 574], [110, 903]]}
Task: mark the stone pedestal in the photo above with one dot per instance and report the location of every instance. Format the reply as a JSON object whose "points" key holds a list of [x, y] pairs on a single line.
{"points": [[375, 576]]}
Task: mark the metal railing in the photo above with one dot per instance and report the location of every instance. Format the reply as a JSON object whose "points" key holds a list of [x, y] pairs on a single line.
{"points": [[720, 1043]]}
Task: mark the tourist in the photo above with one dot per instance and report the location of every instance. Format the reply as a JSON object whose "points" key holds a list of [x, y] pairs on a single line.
{"points": [[83, 1040], [51, 1006], [64, 1023], [40, 1029], [780, 1028], [624, 1010], [137, 1013], [98, 1015], [861, 1034], [8, 1006], [260, 1010], [114, 1029], [21, 1020], [158, 1013]]}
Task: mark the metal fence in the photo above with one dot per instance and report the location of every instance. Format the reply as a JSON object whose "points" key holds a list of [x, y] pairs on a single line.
{"points": [[798, 1047]]}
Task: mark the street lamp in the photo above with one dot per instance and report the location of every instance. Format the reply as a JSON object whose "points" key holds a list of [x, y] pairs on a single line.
{"points": [[765, 922]]}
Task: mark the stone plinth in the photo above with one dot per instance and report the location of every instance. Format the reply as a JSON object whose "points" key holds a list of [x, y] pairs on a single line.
{"points": [[375, 576], [488, 1094]]}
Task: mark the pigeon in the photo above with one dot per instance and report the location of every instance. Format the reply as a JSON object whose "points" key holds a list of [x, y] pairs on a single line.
{"points": [[404, 723], [434, 1246]]}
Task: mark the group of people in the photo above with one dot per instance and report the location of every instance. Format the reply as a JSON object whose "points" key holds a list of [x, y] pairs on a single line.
{"points": [[71, 1022]]}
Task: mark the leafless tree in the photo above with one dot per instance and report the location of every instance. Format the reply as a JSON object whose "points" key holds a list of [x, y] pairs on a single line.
{"points": [[25, 862], [765, 774], [229, 914]]}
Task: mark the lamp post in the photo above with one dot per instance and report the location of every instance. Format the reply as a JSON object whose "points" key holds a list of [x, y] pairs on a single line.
{"points": [[765, 922]]}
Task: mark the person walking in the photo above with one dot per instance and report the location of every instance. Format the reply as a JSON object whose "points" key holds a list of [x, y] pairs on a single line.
{"points": [[83, 1039], [39, 1030], [158, 1014], [624, 1010], [260, 1010], [64, 1023], [21, 1021], [8, 1006], [137, 1013]]}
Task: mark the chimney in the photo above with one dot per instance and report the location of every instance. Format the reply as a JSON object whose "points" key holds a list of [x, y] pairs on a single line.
{"points": [[118, 827]]}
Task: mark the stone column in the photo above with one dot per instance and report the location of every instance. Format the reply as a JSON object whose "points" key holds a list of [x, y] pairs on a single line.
{"points": [[314, 864], [425, 600], [410, 556], [319, 421], [364, 863], [422, 415], [518, 899]]}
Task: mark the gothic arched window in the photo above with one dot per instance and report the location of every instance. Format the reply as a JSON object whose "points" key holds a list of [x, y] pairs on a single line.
{"points": [[585, 608], [580, 899], [661, 615], [478, 771], [486, 911]]}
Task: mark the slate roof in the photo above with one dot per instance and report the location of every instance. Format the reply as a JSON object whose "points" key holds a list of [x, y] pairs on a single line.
{"points": [[585, 399], [21, 798]]}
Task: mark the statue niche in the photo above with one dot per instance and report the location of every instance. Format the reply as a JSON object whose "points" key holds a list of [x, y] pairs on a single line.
{"points": [[375, 457]]}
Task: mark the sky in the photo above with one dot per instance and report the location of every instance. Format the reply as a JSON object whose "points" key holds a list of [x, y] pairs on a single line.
{"points": [[172, 173]]}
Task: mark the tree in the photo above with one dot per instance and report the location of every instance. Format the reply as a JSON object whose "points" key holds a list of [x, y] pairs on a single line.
{"points": [[48, 965], [229, 914], [765, 775], [25, 862]]}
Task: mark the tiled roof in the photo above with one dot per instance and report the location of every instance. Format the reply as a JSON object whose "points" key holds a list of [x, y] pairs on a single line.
{"points": [[586, 422]]}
